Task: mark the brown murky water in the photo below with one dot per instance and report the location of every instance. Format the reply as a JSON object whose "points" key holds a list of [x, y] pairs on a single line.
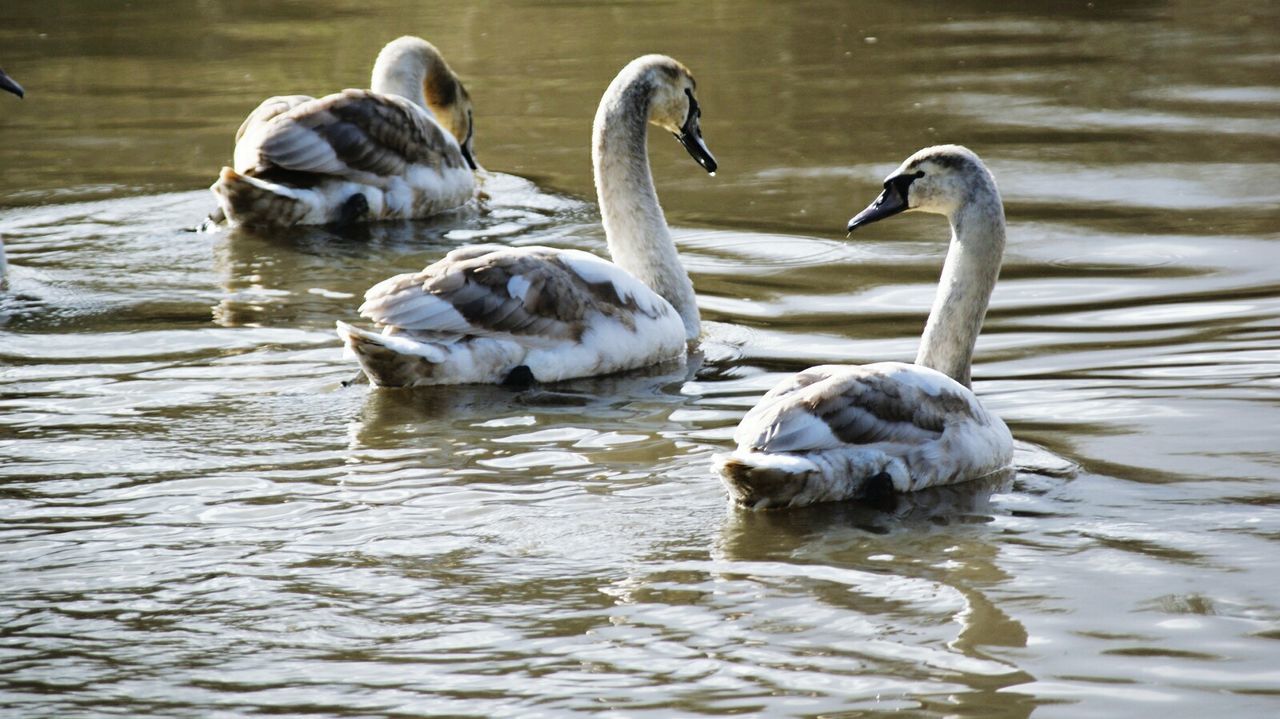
{"points": [[198, 520]]}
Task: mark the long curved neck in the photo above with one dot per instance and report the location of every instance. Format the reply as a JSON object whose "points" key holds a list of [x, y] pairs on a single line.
{"points": [[636, 230], [968, 276], [400, 70]]}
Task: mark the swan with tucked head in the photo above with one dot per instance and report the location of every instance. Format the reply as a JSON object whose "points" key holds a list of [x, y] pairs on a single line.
{"points": [[489, 314], [401, 149], [837, 432]]}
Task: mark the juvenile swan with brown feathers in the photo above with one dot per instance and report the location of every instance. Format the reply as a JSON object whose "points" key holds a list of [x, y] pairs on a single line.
{"points": [[401, 149], [835, 431], [489, 314]]}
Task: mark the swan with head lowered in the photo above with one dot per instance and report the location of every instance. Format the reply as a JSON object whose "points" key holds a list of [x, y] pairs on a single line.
{"points": [[838, 432], [401, 149], [492, 314]]}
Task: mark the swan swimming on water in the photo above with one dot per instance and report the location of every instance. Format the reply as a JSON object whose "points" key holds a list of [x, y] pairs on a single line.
{"points": [[401, 149], [836, 432], [489, 313]]}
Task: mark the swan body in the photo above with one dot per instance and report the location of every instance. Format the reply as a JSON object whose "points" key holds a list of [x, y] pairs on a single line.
{"points": [[838, 432], [489, 314], [399, 150]]}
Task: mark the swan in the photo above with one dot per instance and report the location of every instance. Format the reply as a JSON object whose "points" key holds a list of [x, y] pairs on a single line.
{"points": [[492, 314], [7, 84], [838, 432], [401, 149]]}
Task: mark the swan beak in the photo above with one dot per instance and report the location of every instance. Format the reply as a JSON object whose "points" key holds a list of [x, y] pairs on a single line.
{"points": [[11, 85], [697, 149], [691, 137], [889, 203], [466, 144]]}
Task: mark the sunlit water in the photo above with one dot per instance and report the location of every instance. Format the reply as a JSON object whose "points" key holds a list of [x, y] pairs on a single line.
{"points": [[199, 519]]}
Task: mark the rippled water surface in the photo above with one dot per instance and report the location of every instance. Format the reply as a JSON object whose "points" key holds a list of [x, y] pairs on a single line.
{"points": [[198, 519]]}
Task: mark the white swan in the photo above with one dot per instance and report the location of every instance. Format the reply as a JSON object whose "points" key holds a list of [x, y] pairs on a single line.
{"points": [[840, 431], [401, 149], [7, 84], [490, 314]]}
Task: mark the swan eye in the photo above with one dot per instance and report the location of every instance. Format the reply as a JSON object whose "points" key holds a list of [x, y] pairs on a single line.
{"points": [[902, 183], [694, 110]]}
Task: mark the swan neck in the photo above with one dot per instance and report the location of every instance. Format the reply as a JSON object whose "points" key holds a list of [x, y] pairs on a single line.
{"points": [[969, 275], [402, 69], [634, 224]]}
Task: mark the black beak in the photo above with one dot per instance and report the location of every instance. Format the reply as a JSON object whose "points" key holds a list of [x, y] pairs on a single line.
{"points": [[890, 202], [690, 136], [466, 144], [8, 83]]}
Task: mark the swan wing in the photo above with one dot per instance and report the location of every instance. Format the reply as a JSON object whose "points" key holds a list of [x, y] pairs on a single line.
{"points": [[531, 294], [270, 108], [838, 405], [357, 135]]}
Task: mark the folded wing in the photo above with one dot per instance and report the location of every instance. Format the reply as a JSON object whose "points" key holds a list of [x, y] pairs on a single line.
{"points": [[839, 405], [537, 295], [356, 135]]}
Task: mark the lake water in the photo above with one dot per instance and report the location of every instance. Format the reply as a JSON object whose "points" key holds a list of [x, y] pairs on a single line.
{"points": [[197, 519]]}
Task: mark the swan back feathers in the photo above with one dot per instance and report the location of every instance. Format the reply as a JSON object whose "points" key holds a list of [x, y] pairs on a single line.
{"points": [[538, 293], [835, 405]]}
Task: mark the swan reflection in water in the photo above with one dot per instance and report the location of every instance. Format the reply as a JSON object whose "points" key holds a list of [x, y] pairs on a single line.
{"points": [[929, 550], [400, 417]]}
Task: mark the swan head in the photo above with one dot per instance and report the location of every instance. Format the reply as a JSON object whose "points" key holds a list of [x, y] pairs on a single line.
{"points": [[673, 105], [450, 102], [8, 84], [939, 179], [413, 68]]}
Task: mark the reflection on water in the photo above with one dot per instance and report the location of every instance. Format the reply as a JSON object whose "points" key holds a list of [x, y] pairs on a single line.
{"points": [[200, 519]]}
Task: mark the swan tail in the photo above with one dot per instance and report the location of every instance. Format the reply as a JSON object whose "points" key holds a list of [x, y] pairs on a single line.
{"points": [[403, 360], [390, 361], [250, 201], [762, 480]]}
